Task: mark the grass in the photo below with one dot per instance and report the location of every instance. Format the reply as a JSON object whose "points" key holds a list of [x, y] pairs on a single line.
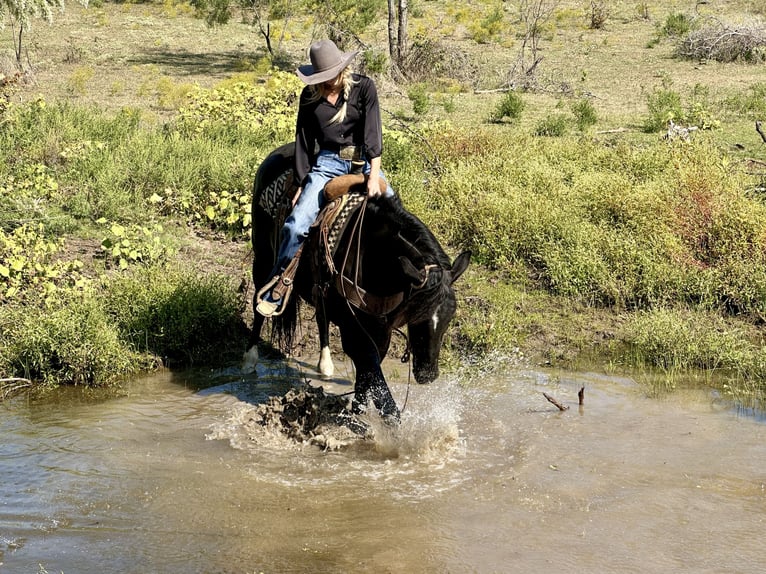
{"points": [[593, 238]]}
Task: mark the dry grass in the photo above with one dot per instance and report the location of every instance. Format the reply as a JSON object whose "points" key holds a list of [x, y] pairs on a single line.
{"points": [[122, 55]]}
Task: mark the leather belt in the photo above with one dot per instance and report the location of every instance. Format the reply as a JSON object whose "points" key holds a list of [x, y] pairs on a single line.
{"points": [[348, 152]]}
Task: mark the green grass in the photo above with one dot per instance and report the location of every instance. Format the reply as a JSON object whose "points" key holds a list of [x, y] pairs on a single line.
{"points": [[592, 236]]}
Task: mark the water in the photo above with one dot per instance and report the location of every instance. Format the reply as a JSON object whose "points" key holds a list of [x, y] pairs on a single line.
{"points": [[168, 477]]}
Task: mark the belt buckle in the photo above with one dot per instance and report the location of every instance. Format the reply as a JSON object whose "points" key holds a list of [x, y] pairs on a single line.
{"points": [[348, 153]]}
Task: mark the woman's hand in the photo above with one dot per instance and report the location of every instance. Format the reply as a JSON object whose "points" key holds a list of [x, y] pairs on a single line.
{"points": [[373, 187], [373, 180]]}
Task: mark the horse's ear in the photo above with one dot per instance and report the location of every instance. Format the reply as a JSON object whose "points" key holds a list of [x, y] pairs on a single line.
{"points": [[410, 270], [460, 264]]}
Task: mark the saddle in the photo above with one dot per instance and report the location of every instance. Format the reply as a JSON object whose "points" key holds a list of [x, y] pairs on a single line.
{"points": [[331, 223], [345, 195]]}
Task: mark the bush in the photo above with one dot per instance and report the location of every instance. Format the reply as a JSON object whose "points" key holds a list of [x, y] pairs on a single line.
{"points": [[75, 342], [676, 25], [665, 104], [511, 107], [555, 125], [584, 113], [101, 334], [488, 28], [177, 314], [421, 102], [724, 42]]}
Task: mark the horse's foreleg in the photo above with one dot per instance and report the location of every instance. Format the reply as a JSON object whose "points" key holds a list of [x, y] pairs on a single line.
{"points": [[371, 386], [325, 367], [251, 357]]}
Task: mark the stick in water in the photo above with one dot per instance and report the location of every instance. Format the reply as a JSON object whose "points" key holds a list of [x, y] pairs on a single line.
{"points": [[555, 402]]}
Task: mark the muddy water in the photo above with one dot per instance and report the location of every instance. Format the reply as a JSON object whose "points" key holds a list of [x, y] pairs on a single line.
{"points": [[487, 477]]}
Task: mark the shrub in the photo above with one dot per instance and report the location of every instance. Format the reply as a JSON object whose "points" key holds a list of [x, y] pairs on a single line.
{"points": [[725, 42], [676, 25], [267, 107], [74, 342], [487, 29], [598, 14], [419, 98], [665, 104], [554, 125], [584, 113], [511, 107], [177, 314]]}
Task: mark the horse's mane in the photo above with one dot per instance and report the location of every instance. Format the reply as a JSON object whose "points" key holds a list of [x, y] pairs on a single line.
{"points": [[411, 228]]}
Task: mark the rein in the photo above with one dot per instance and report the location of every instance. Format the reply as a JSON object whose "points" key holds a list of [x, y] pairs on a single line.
{"points": [[350, 288]]}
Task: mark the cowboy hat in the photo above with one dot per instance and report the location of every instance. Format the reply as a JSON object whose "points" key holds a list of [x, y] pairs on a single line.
{"points": [[327, 61]]}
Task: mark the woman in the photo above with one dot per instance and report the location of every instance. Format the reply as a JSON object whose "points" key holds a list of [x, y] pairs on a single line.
{"points": [[338, 115]]}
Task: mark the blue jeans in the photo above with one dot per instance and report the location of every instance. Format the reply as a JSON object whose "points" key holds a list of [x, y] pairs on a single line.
{"points": [[311, 201]]}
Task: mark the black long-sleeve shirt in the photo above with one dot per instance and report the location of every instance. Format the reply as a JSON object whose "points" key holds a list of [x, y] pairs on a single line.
{"points": [[361, 126]]}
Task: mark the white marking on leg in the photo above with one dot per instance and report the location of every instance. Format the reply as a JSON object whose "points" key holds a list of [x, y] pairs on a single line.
{"points": [[326, 367], [250, 360]]}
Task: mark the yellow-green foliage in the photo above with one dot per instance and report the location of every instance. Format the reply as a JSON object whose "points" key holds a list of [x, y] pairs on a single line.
{"points": [[75, 342], [126, 245], [171, 96], [626, 226], [269, 106], [677, 339], [78, 80], [30, 268]]}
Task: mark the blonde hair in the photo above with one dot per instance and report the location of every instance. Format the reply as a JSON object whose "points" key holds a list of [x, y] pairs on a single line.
{"points": [[319, 91]]}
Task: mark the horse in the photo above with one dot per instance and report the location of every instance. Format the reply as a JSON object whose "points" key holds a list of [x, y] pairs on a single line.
{"points": [[390, 271]]}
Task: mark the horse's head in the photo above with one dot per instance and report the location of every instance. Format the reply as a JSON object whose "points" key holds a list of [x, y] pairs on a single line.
{"points": [[434, 298]]}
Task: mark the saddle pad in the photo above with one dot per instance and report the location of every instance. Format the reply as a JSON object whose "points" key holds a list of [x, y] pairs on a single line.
{"points": [[332, 222]]}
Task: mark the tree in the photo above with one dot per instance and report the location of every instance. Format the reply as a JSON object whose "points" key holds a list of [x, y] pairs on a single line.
{"points": [[397, 35], [258, 13], [20, 14], [534, 14]]}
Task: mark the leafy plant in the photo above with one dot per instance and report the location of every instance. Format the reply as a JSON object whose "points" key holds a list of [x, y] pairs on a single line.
{"points": [[487, 29], [510, 106], [554, 125], [676, 25], [229, 211], [268, 107], [665, 104], [127, 245], [584, 113], [421, 102], [29, 268]]}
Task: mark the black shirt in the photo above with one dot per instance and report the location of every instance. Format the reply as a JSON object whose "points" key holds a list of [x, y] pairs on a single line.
{"points": [[361, 127]]}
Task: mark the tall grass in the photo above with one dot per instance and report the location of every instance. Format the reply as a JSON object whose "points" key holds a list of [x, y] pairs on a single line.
{"points": [[630, 228], [131, 323]]}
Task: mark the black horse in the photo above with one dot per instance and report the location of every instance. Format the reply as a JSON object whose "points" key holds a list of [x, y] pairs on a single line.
{"points": [[390, 271]]}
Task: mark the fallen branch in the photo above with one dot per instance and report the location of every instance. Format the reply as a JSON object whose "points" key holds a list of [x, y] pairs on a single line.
{"points": [[614, 131], [553, 401]]}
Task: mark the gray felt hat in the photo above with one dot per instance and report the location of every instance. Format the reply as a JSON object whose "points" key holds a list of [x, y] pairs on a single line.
{"points": [[327, 61]]}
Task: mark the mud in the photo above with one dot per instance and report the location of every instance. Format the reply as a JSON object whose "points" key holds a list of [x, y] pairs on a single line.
{"points": [[307, 415]]}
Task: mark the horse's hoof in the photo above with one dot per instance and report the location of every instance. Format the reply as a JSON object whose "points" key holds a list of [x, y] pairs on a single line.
{"points": [[356, 426], [250, 360]]}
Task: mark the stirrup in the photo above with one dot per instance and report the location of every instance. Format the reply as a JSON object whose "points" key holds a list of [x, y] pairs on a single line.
{"points": [[274, 308]]}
